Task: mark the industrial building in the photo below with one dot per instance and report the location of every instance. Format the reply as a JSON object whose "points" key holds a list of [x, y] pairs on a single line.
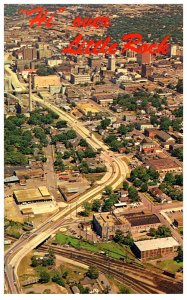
{"points": [[155, 248], [165, 165], [71, 190], [26, 196], [142, 222], [106, 224]]}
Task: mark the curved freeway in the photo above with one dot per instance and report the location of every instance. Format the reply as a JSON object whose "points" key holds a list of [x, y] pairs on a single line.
{"points": [[116, 174]]}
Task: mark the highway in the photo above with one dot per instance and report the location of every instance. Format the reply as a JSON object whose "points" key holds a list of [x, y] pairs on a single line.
{"points": [[116, 175]]}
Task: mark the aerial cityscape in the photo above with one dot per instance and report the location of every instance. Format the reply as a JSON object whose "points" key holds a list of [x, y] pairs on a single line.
{"points": [[93, 149]]}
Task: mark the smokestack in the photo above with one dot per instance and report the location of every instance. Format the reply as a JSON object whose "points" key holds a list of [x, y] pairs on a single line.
{"points": [[30, 94]]}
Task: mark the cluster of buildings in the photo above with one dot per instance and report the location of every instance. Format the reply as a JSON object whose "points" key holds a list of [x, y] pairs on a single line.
{"points": [[106, 224], [86, 86]]}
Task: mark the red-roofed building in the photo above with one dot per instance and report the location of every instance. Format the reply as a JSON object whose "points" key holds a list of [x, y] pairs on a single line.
{"points": [[25, 73]]}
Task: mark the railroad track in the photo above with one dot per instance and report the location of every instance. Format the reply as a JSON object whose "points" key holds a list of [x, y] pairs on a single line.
{"points": [[122, 271], [133, 275]]}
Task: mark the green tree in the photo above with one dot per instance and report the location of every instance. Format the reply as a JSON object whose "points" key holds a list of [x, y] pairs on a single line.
{"points": [[87, 209], [176, 124], [58, 279], [71, 134], [133, 194], [34, 261], [108, 190], [67, 154], [169, 178], [92, 272], [144, 188], [165, 123], [83, 143], [179, 179], [137, 182], [178, 153], [44, 276], [105, 123], [179, 86], [125, 185], [124, 290], [61, 124], [122, 129], [96, 205], [162, 231], [119, 236], [179, 257]]}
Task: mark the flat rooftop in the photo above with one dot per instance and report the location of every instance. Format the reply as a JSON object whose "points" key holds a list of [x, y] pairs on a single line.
{"points": [[37, 194], [106, 219], [163, 163], [153, 244], [139, 220]]}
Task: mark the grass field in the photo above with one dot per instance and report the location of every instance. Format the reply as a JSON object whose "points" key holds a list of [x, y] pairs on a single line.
{"points": [[170, 265], [112, 249]]}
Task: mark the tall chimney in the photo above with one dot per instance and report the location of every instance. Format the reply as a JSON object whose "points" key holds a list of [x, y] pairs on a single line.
{"points": [[30, 94]]}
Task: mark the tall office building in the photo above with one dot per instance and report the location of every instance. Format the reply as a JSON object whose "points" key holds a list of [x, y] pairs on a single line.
{"points": [[111, 63], [30, 93], [29, 53], [144, 58], [146, 70]]}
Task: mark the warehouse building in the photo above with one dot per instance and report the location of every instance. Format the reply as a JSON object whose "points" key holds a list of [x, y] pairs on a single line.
{"points": [[165, 165], [28, 196], [142, 222], [154, 248]]}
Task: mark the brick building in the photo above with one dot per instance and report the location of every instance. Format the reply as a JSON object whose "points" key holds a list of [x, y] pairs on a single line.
{"points": [[161, 247], [106, 224], [165, 165]]}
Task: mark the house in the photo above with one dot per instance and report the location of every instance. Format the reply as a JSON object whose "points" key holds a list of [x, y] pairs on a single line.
{"points": [[150, 132], [164, 137], [130, 117], [143, 126], [103, 281], [122, 149], [148, 146], [156, 192], [91, 284], [75, 289]]}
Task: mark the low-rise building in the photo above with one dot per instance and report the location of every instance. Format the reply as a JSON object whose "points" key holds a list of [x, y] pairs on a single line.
{"points": [[80, 78], [149, 147], [142, 222], [161, 247], [150, 132], [164, 165], [163, 136], [143, 126], [103, 99], [45, 81], [40, 194]]}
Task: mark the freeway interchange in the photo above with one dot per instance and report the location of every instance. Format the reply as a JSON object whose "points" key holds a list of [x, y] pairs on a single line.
{"points": [[116, 173]]}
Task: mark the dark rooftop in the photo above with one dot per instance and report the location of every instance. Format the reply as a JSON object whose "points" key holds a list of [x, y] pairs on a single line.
{"points": [[142, 220]]}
